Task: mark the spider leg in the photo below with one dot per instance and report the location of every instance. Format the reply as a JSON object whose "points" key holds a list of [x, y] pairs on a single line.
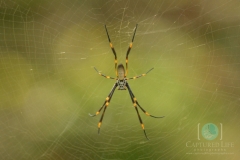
{"points": [[129, 49], [135, 101], [144, 74], [113, 50], [135, 106], [106, 100], [105, 104], [108, 77]]}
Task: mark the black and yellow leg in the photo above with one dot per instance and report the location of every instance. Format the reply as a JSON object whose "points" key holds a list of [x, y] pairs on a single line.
{"points": [[113, 50], [135, 101], [106, 102], [100, 121], [146, 111], [144, 74], [135, 106], [140, 120], [129, 49], [108, 77]]}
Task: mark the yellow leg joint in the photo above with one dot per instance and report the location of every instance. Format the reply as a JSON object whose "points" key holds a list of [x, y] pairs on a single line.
{"points": [[107, 98], [142, 126], [130, 45], [107, 103], [135, 99], [126, 60], [97, 113], [147, 114], [108, 77], [134, 104], [111, 45], [115, 61], [143, 74], [99, 124]]}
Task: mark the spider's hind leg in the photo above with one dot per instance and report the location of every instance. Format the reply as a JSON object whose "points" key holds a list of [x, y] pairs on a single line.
{"points": [[135, 104], [105, 104]]}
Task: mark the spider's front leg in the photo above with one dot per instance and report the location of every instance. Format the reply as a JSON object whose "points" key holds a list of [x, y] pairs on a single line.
{"points": [[129, 49], [105, 104], [135, 104], [113, 50]]}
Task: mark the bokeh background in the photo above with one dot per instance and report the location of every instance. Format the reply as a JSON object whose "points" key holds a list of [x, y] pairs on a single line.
{"points": [[48, 85]]}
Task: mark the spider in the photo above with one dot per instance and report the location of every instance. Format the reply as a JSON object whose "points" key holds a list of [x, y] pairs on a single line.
{"points": [[122, 84]]}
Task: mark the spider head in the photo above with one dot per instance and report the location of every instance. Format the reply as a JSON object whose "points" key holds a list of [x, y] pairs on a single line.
{"points": [[121, 71]]}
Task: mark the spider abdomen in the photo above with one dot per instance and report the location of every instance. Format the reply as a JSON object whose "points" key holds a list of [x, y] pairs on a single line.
{"points": [[122, 84]]}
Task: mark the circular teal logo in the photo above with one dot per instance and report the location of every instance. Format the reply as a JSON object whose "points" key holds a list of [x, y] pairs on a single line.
{"points": [[209, 131]]}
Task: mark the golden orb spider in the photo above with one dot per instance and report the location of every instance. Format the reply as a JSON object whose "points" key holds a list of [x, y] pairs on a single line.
{"points": [[121, 74]]}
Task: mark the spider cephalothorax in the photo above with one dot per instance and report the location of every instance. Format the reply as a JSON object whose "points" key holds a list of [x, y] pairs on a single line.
{"points": [[122, 84]]}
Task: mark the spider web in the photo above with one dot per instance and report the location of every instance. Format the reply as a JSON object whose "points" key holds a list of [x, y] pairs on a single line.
{"points": [[48, 84]]}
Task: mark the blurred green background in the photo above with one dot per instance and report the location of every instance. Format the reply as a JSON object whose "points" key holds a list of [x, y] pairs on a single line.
{"points": [[48, 85]]}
